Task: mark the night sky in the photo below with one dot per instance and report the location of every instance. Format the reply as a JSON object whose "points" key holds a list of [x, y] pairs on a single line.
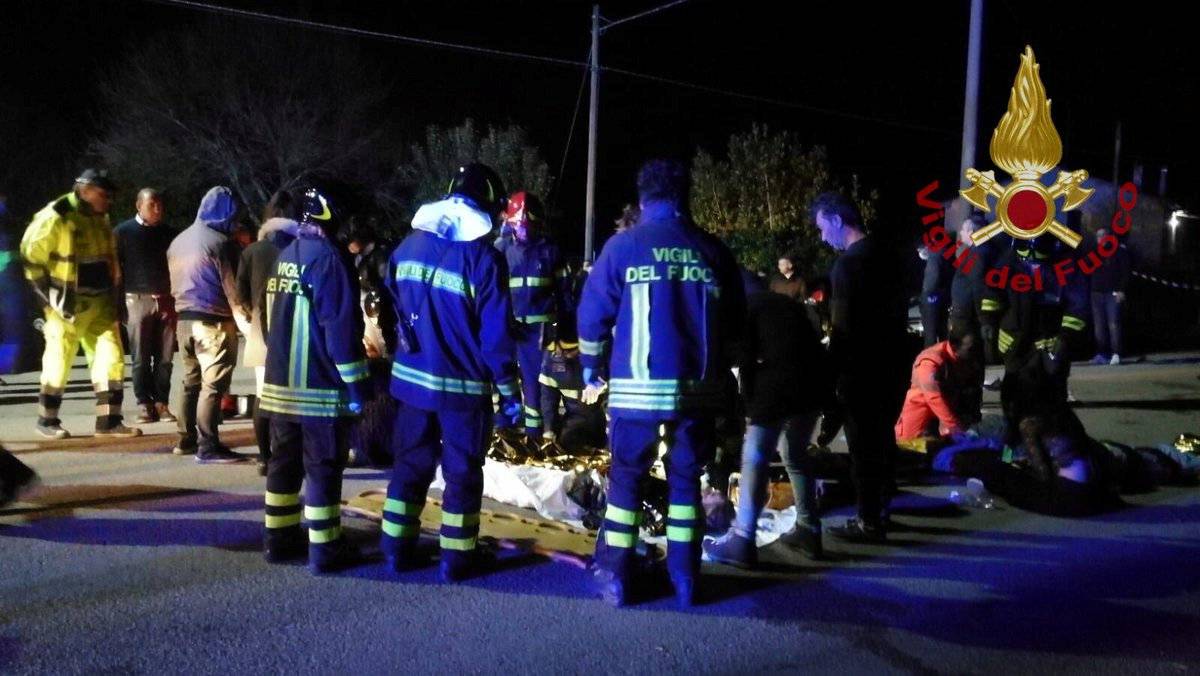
{"points": [[897, 64]]}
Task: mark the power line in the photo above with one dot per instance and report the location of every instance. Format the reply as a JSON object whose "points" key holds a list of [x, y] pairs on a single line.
{"points": [[562, 167], [487, 51], [777, 102], [348, 30], [648, 12]]}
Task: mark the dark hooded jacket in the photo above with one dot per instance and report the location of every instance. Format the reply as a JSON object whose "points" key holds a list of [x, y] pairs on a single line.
{"points": [[257, 265], [203, 262]]}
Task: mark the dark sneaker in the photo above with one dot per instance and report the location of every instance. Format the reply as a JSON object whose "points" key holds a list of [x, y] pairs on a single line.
{"points": [[281, 547], [1099, 359], [733, 549], [333, 557], [857, 530], [994, 384], [54, 431], [685, 592], [164, 414], [118, 432], [183, 450], [261, 465], [611, 589], [806, 540], [147, 414], [220, 456]]}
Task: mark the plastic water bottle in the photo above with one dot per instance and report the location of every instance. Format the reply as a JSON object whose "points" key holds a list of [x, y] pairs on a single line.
{"points": [[973, 495]]}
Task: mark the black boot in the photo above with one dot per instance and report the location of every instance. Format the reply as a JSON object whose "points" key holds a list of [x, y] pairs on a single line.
{"points": [[284, 544]]}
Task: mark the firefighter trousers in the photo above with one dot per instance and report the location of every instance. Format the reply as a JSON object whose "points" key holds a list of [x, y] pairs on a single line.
{"points": [[423, 439], [529, 361], [311, 454], [688, 443], [97, 330]]}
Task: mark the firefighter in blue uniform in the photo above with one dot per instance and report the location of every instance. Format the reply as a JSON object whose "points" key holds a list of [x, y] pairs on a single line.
{"points": [[449, 286], [316, 379], [535, 281], [1035, 330], [659, 315]]}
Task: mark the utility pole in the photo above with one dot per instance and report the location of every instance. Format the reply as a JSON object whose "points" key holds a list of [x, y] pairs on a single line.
{"points": [[971, 98], [589, 231]]}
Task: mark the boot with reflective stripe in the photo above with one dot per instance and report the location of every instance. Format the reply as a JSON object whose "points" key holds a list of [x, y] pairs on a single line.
{"points": [[283, 537]]}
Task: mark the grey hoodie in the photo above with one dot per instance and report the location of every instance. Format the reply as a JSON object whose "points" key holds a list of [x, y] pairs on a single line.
{"points": [[203, 262]]}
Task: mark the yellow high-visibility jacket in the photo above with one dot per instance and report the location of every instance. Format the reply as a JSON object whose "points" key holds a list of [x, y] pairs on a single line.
{"points": [[68, 253]]}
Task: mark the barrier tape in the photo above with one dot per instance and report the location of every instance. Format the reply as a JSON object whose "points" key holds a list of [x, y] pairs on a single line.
{"points": [[1167, 282]]}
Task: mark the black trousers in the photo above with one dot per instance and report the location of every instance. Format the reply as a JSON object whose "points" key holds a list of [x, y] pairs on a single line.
{"points": [[151, 327], [870, 435]]}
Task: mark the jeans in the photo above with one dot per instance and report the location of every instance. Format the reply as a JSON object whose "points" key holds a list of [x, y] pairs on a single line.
{"points": [[1106, 323], [209, 355], [757, 450], [151, 327]]}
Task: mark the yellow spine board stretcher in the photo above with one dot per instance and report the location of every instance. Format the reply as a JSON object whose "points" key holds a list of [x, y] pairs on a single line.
{"points": [[552, 539]]}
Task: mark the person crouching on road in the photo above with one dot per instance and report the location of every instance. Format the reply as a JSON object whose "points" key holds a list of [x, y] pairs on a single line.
{"points": [[784, 383], [316, 379], [668, 298], [450, 290], [945, 394], [71, 259]]}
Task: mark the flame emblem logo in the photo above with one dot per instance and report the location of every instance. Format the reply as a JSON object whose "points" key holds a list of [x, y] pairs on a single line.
{"points": [[1026, 145]]}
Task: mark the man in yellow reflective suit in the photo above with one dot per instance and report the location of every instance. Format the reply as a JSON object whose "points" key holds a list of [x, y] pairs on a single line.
{"points": [[70, 258]]}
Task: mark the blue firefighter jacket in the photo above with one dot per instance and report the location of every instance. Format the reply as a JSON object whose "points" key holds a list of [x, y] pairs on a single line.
{"points": [[315, 360], [535, 278], [450, 289], [665, 303]]}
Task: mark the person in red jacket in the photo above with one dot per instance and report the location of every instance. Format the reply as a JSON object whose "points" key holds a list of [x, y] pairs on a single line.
{"points": [[944, 389]]}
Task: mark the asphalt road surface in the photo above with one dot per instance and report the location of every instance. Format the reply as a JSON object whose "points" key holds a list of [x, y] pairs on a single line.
{"points": [[131, 560]]}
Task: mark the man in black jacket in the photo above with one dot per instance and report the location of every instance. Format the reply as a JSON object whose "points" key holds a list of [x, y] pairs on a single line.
{"points": [[869, 350]]}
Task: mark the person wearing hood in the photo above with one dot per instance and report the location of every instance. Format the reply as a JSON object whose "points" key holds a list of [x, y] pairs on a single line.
{"points": [[449, 286], [203, 262], [257, 264], [316, 380], [71, 259]]}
